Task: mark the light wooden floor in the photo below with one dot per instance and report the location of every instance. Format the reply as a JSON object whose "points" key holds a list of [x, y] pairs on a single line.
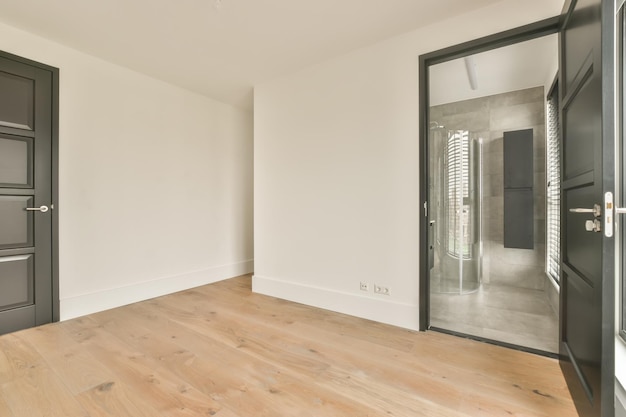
{"points": [[220, 350]]}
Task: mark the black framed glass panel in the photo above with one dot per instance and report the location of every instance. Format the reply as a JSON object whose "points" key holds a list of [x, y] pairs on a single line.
{"points": [[621, 171]]}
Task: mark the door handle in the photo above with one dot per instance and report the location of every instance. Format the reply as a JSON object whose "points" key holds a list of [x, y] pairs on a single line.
{"points": [[596, 210], [42, 209], [620, 210]]}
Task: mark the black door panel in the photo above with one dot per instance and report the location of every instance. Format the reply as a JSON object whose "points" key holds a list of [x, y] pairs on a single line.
{"points": [[582, 281], [26, 276]]}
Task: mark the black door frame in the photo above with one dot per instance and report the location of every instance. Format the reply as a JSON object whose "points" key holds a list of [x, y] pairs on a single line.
{"points": [[524, 33], [55, 174], [520, 34], [607, 381]]}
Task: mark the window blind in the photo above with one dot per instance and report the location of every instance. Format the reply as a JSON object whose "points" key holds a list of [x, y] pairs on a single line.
{"points": [[457, 185], [553, 191]]}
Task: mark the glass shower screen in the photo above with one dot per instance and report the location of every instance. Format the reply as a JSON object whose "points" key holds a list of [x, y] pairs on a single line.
{"points": [[455, 220]]}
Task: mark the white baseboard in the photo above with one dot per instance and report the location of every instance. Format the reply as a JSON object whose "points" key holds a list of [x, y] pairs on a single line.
{"points": [[373, 308], [620, 400], [81, 305]]}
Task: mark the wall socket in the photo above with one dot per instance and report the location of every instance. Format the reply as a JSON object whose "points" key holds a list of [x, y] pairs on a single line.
{"points": [[364, 286], [381, 290]]}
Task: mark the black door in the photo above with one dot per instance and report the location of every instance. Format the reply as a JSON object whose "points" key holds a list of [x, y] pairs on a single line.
{"points": [[26, 279], [586, 354]]}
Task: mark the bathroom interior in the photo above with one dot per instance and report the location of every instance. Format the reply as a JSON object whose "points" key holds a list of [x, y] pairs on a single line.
{"points": [[491, 196]]}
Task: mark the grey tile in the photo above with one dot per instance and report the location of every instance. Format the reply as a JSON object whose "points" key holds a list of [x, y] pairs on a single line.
{"points": [[544, 343], [517, 275], [482, 135], [493, 144], [516, 299], [465, 328], [497, 239], [494, 230], [521, 116], [473, 121], [496, 185], [539, 184], [486, 179], [467, 106], [498, 137], [552, 295], [513, 315], [528, 95], [517, 322], [539, 207], [528, 257], [486, 278], [492, 163], [539, 136], [539, 163], [493, 208], [540, 230], [436, 112]]}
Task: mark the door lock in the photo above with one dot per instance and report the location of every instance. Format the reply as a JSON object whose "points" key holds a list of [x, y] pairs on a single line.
{"points": [[594, 225]]}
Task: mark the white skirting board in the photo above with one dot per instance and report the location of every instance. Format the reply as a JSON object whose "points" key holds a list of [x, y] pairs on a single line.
{"points": [[620, 400], [373, 308], [81, 305]]}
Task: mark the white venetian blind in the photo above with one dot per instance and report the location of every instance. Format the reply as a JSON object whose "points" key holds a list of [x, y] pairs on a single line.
{"points": [[553, 191], [457, 184]]}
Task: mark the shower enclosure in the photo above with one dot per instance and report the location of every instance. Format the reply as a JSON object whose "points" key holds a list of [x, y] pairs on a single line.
{"points": [[455, 238]]}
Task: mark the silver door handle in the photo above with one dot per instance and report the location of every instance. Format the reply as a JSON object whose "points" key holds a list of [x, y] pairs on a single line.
{"points": [[596, 210], [620, 210], [42, 209]]}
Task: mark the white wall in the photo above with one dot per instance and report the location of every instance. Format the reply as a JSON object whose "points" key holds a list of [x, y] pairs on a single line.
{"points": [[155, 182], [336, 170]]}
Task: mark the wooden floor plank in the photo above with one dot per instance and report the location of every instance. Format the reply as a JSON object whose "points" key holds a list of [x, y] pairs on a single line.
{"points": [[364, 370], [114, 399], [39, 392], [74, 365], [257, 381], [5, 411], [222, 350], [16, 358]]}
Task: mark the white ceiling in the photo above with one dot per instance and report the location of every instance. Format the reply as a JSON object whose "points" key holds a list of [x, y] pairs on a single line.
{"points": [[222, 52], [523, 65]]}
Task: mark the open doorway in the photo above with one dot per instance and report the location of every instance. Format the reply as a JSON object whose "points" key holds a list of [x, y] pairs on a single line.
{"points": [[587, 94], [491, 228]]}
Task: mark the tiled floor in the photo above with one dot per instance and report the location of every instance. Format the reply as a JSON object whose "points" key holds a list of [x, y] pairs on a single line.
{"points": [[508, 314]]}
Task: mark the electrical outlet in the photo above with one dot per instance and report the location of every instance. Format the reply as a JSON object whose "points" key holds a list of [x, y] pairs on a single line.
{"points": [[365, 286], [381, 290]]}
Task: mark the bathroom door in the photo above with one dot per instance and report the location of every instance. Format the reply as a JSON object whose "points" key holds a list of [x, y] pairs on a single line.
{"points": [[587, 290]]}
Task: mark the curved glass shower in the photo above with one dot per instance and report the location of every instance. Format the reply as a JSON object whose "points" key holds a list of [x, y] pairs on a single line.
{"points": [[455, 211]]}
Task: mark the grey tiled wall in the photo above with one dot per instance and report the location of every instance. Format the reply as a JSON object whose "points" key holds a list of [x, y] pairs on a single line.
{"points": [[489, 117]]}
